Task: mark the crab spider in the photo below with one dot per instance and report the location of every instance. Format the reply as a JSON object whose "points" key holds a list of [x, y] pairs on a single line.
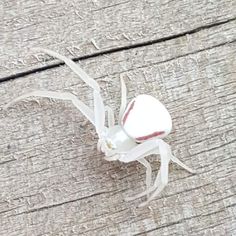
{"points": [[142, 125]]}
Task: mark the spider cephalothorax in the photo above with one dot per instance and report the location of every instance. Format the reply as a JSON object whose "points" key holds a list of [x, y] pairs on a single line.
{"points": [[141, 126]]}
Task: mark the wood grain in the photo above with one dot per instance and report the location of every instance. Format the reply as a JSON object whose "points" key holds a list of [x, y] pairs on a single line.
{"points": [[53, 181], [84, 28]]}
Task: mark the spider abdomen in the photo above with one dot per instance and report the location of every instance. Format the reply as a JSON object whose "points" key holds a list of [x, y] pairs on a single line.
{"points": [[145, 118]]}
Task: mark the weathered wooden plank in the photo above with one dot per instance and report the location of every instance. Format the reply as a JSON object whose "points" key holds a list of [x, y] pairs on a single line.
{"points": [[53, 182], [86, 27]]}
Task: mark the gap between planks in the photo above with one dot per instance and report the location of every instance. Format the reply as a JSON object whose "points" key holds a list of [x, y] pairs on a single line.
{"points": [[124, 48]]}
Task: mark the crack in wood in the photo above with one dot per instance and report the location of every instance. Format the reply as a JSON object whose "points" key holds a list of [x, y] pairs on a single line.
{"points": [[219, 200], [62, 203], [5, 162], [123, 48], [185, 219], [110, 6], [215, 148]]}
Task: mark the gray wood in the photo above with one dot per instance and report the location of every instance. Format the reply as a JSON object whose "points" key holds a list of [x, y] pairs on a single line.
{"points": [[53, 181], [79, 28]]}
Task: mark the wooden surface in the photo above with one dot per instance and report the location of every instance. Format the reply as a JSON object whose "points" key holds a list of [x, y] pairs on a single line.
{"points": [[53, 181], [82, 28]]}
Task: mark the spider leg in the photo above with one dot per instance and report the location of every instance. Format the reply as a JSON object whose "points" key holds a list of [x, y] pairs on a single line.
{"points": [[146, 164], [138, 153], [147, 191], [99, 113], [165, 153], [149, 188], [85, 110], [99, 110], [110, 116], [123, 99], [75, 67], [162, 176], [180, 163], [143, 149], [158, 184]]}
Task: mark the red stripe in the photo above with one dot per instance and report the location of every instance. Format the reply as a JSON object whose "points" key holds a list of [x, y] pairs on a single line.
{"points": [[127, 113], [143, 138]]}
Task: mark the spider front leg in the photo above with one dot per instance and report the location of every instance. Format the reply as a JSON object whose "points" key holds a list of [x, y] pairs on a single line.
{"points": [[97, 118], [85, 110], [99, 109]]}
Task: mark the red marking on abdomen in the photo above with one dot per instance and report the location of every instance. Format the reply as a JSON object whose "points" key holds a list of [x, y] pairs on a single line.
{"points": [[127, 113], [143, 138]]}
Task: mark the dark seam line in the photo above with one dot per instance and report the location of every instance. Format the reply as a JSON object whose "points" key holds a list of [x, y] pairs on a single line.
{"points": [[60, 204], [113, 50], [169, 60], [185, 219], [4, 162]]}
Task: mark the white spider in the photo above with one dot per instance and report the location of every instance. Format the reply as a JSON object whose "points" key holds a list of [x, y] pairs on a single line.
{"points": [[142, 125]]}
